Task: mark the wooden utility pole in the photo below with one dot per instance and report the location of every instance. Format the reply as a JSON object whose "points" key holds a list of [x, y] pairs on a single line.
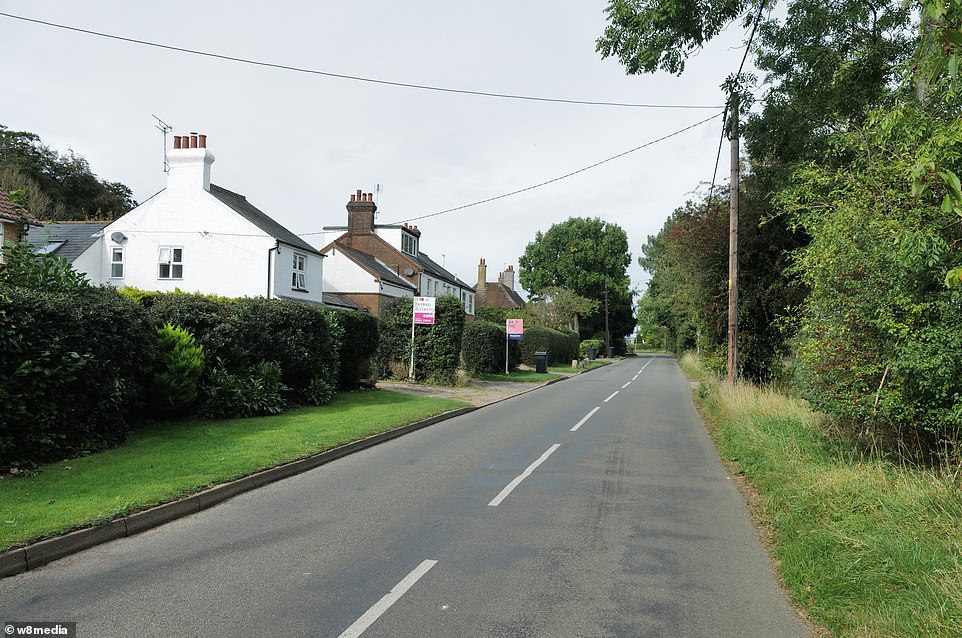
{"points": [[733, 247]]}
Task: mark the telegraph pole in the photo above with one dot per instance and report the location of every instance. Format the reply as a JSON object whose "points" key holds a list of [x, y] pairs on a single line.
{"points": [[607, 332], [733, 246]]}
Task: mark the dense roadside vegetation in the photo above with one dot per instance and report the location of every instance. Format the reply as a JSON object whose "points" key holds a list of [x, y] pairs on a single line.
{"points": [[176, 458], [867, 544]]}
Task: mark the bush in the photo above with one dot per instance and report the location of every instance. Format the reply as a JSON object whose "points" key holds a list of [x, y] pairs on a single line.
{"points": [[437, 348], [74, 365], [174, 389], [562, 347], [483, 347], [257, 391], [358, 347], [587, 344]]}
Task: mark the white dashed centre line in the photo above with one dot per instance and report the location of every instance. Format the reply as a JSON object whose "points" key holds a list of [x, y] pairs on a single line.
{"points": [[626, 385], [517, 481], [586, 417], [612, 396], [361, 624]]}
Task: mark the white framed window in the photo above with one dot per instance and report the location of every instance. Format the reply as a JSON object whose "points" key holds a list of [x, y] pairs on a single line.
{"points": [[170, 263], [299, 272], [116, 262], [409, 244]]}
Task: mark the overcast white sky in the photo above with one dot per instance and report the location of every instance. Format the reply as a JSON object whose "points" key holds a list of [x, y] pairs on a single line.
{"points": [[298, 145]]}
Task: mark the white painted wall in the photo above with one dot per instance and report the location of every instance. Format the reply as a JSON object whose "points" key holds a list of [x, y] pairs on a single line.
{"points": [[343, 274], [223, 253]]}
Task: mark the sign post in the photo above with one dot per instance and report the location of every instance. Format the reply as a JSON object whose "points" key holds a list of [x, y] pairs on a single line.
{"points": [[514, 331], [422, 314]]}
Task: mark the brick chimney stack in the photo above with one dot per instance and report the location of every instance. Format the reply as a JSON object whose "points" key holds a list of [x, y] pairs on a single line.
{"points": [[507, 278], [482, 276], [189, 163], [360, 214]]}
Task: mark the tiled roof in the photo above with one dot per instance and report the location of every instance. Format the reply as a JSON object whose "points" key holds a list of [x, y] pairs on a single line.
{"points": [[73, 238], [496, 295], [240, 205], [431, 267], [376, 268], [15, 212], [330, 299]]}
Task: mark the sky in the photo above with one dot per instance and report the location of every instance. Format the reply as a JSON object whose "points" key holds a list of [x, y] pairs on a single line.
{"points": [[298, 144]]}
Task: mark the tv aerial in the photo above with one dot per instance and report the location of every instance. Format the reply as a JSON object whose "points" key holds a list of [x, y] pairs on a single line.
{"points": [[164, 128]]}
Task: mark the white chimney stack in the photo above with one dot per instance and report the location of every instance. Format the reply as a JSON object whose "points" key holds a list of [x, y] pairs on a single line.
{"points": [[189, 162]]}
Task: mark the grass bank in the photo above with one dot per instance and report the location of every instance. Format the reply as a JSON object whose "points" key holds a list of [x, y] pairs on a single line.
{"points": [[867, 546], [175, 459], [522, 376]]}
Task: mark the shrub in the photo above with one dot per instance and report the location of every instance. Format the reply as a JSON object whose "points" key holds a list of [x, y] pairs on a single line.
{"points": [[483, 348], [73, 365], [562, 347], [588, 344], [320, 392], [437, 347], [174, 389], [359, 344], [257, 391]]}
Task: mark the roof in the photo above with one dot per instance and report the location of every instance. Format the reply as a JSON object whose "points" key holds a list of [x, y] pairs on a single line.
{"points": [[68, 239], [331, 299], [431, 267], [240, 205], [375, 267], [15, 212], [496, 295]]}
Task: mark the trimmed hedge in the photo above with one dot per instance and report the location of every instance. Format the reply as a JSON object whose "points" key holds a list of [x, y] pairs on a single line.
{"points": [[358, 345], [483, 348], [437, 347], [73, 365], [562, 347]]}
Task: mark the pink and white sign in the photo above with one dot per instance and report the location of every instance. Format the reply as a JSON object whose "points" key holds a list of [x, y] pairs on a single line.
{"points": [[424, 311], [515, 328]]}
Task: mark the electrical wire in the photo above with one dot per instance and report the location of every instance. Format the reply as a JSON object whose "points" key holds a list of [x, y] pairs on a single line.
{"points": [[565, 176], [356, 78]]}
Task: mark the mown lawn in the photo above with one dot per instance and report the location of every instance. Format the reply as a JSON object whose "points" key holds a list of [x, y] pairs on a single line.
{"points": [[174, 459], [867, 545], [523, 376]]}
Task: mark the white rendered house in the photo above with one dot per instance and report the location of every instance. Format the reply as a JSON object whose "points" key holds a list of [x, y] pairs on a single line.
{"points": [[195, 236]]}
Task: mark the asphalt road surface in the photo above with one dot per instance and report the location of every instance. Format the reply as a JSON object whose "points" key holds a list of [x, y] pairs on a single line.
{"points": [[592, 507]]}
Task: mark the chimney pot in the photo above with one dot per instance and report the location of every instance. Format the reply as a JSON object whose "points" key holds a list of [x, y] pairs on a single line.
{"points": [[202, 141], [352, 198], [359, 194], [177, 141], [193, 141]]}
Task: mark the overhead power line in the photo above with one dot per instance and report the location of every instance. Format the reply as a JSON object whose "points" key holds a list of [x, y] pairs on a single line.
{"points": [[356, 78], [565, 176]]}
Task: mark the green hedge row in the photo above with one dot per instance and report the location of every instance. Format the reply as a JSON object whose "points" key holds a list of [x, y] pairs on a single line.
{"points": [[562, 347], [437, 348], [78, 366], [73, 367], [483, 348]]}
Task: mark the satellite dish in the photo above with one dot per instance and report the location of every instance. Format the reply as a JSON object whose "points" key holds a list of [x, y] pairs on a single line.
{"points": [[408, 271], [118, 237]]}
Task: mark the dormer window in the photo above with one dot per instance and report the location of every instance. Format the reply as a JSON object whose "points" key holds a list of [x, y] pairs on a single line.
{"points": [[409, 244]]}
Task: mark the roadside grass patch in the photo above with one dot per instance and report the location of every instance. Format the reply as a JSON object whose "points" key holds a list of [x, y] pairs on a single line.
{"points": [[566, 368], [523, 376], [866, 545], [174, 459]]}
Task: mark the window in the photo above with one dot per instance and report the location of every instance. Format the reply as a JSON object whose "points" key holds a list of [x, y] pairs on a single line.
{"points": [[409, 244], [299, 273], [171, 263], [117, 262]]}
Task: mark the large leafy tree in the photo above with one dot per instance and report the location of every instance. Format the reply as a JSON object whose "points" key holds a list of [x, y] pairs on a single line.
{"points": [[586, 256], [57, 187]]}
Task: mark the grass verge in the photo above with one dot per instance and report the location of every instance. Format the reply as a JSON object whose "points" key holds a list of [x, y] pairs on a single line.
{"points": [[866, 546], [175, 459], [523, 376]]}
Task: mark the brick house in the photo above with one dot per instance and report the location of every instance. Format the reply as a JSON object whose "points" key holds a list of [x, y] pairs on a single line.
{"points": [[15, 221], [370, 264], [497, 294]]}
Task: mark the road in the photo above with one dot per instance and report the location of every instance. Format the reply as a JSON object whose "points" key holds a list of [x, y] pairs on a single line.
{"points": [[592, 507]]}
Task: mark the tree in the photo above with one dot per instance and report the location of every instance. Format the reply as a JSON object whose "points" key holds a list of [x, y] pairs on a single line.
{"points": [[585, 256], [57, 186], [879, 335], [559, 308]]}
